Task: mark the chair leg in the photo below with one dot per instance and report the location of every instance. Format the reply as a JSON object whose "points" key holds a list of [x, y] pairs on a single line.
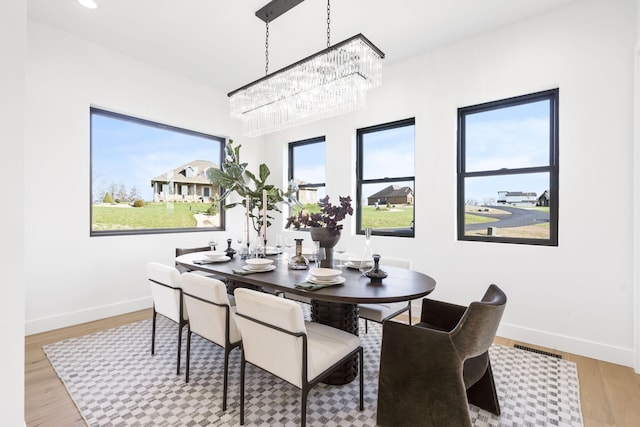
{"points": [[242, 367], [188, 355], [153, 332], [225, 381], [366, 326], [410, 318], [483, 393], [361, 363], [180, 326], [303, 407]]}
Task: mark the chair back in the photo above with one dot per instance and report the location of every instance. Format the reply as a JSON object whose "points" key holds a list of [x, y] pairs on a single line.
{"points": [[476, 330], [395, 262], [182, 251], [209, 309], [272, 332], [165, 283]]}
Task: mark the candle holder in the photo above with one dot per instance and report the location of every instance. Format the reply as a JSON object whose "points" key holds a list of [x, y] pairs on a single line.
{"points": [[298, 261]]}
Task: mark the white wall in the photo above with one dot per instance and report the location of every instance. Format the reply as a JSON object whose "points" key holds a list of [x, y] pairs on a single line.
{"points": [[577, 297], [71, 277], [13, 51]]}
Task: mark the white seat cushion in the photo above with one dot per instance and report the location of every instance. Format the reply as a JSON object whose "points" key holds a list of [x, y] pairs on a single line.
{"points": [[379, 312], [326, 346]]}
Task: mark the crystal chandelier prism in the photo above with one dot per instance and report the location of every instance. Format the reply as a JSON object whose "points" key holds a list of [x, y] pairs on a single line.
{"points": [[328, 83]]}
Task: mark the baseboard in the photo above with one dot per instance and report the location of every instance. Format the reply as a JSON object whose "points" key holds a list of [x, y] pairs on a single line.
{"points": [[594, 350], [58, 321]]}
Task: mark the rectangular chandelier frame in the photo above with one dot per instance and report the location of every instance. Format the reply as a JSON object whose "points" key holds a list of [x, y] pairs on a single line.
{"points": [[327, 83]]}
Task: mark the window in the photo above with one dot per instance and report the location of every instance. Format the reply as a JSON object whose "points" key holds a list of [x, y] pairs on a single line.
{"points": [[307, 170], [385, 179], [508, 170], [147, 177]]}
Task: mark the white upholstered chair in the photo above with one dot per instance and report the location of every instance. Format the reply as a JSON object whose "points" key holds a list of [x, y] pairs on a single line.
{"points": [[166, 291], [276, 338], [384, 311], [212, 317]]}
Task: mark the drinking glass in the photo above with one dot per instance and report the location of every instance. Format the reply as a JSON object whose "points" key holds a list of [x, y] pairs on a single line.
{"points": [[318, 254], [213, 243], [288, 243], [279, 245], [340, 249]]}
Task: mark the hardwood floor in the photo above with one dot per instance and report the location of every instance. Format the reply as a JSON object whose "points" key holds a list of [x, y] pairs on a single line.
{"points": [[610, 394]]}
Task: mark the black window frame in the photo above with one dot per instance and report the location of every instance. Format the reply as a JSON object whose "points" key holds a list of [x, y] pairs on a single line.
{"points": [[403, 232], [143, 231], [552, 168], [291, 164]]}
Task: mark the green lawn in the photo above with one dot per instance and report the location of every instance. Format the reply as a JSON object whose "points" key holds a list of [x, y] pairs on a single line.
{"points": [[398, 217], [152, 215], [476, 219]]}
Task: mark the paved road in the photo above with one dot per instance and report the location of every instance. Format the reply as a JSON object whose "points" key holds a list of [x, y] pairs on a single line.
{"points": [[518, 218]]}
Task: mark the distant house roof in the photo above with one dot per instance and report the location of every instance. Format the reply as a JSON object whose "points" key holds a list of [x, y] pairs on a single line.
{"points": [[517, 193], [391, 191], [545, 195], [194, 172]]}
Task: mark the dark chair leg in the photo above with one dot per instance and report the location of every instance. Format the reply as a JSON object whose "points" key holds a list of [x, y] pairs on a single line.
{"points": [[361, 363], [410, 318], [188, 354], [225, 380], [153, 332], [483, 393], [242, 367], [303, 408], [180, 325], [366, 326]]}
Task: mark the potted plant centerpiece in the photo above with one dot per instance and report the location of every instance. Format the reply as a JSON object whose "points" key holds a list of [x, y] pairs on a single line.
{"points": [[257, 197], [324, 226]]}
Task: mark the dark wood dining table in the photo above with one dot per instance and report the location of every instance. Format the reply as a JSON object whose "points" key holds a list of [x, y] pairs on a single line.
{"points": [[336, 305]]}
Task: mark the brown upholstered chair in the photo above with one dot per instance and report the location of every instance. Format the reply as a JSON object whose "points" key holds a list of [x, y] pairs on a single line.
{"points": [[431, 371]]}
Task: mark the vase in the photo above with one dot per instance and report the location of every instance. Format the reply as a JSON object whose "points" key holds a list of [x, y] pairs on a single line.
{"points": [[327, 241]]}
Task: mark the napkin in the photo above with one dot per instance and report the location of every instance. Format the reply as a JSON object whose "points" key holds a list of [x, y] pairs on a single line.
{"points": [[308, 286], [203, 261]]}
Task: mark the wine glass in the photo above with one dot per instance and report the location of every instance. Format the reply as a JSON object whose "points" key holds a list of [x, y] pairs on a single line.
{"points": [[213, 243], [279, 245], [340, 249], [288, 243]]}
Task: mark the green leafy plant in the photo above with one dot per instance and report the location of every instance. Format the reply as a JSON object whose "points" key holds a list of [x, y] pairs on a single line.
{"points": [[329, 215], [234, 177]]}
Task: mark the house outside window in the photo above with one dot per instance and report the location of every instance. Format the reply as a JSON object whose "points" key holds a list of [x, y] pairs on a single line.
{"points": [[508, 170], [307, 171], [385, 196], [148, 177]]}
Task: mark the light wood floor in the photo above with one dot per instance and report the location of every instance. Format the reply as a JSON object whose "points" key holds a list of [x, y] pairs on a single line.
{"points": [[610, 394]]}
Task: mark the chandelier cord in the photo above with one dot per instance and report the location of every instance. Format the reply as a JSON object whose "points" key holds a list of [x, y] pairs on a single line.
{"points": [[266, 50], [328, 23]]}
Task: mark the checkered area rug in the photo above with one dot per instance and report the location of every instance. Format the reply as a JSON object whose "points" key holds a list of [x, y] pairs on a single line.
{"points": [[115, 381]]}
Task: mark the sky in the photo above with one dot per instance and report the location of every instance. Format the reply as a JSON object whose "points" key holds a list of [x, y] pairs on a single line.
{"points": [[388, 153], [133, 153], [513, 137]]}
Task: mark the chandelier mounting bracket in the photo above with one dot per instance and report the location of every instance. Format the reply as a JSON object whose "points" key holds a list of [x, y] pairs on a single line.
{"points": [[275, 8]]}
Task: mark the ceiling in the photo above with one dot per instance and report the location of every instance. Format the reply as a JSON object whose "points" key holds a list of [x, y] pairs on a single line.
{"points": [[222, 42]]}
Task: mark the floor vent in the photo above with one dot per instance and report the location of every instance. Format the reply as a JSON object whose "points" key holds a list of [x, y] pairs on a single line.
{"points": [[533, 350]]}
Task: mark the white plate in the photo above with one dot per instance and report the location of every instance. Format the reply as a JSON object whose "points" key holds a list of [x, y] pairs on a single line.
{"points": [[259, 262], [335, 281], [257, 270], [355, 266], [324, 273]]}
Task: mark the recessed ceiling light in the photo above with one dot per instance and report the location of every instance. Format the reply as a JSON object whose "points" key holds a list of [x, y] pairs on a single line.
{"points": [[90, 4]]}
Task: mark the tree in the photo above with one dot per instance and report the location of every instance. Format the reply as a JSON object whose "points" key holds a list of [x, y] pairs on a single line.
{"points": [[107, 198], [133, 193]]}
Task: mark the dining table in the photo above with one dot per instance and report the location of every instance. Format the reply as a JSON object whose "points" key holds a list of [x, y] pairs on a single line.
{"points": [[335, 305]]}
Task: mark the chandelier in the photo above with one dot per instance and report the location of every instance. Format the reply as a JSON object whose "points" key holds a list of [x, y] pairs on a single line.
{"points": [[330, 82]]}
